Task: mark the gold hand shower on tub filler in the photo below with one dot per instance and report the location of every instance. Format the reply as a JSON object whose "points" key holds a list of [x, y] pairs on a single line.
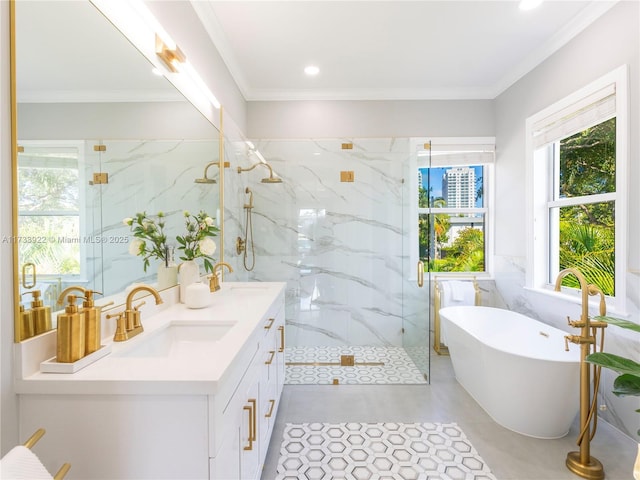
{"points": [[582, 463]]}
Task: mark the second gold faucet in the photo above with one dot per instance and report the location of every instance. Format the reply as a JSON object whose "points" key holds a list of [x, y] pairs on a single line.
{"points": [[129, 324]]}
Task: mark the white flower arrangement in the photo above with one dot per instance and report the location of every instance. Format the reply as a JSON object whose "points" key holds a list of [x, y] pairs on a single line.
{"points": [[197, 242]]}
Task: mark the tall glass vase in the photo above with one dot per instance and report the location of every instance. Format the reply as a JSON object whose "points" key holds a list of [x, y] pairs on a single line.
{"points": [[188, 273]]}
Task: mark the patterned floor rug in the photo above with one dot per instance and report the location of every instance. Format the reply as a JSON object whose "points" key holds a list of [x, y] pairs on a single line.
{"points": [[358, 451]]}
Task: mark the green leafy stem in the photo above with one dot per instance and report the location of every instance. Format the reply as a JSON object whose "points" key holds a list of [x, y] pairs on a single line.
{"points": [[628, 381]]}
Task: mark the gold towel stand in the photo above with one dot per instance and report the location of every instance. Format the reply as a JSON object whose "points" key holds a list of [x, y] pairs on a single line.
{"points": [[33, 440], [438, 346]]}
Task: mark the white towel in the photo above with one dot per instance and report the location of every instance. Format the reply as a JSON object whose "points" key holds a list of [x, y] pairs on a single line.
{"points": [[20, 463], [455, 292]]}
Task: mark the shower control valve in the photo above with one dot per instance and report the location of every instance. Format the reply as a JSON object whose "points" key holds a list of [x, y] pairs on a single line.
{"points": [[240, 245]]}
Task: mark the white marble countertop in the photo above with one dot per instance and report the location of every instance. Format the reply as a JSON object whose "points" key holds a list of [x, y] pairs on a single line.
{"points": [[189, 371]]}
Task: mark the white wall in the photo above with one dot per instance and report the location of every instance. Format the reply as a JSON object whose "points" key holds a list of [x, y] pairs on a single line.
{"points": [[610, 42], [370, 119]]}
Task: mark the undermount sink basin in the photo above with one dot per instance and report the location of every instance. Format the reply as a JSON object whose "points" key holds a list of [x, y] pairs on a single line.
{"points": [[178, 338]]}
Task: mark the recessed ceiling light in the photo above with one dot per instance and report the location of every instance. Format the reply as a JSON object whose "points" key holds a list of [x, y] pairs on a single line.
{"points": [[311, 70], [529, 4]]}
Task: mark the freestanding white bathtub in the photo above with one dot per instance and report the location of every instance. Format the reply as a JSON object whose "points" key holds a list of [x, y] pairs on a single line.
{"points": [[515, 367]]}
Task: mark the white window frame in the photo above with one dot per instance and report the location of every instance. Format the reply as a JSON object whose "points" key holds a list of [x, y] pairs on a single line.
{"points": [[82, 208], [540, 183], [465, 151]]}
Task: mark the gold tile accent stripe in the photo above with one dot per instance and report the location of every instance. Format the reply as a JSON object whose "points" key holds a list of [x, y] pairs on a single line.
{"points": [[347, 146]]}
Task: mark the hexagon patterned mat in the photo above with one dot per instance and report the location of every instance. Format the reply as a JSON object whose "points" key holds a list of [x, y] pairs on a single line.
{"points": [[358, 451]]}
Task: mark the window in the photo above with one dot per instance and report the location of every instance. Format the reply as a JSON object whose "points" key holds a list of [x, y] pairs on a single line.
{"points": [[578, 193], [49, 209], [454, 181]]}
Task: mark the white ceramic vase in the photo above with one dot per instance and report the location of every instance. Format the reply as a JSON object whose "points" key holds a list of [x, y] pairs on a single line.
{"points": [[188, 273], [167, 276]]}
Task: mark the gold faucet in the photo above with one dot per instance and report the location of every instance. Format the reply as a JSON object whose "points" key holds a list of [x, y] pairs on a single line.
{"points": [[582, 463], [214, 284], [66, 291], [132, 314], [129, 324]]}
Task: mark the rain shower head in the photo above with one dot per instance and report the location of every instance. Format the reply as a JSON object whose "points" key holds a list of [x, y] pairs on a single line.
{"points": [[269, 179], [206, 179]]}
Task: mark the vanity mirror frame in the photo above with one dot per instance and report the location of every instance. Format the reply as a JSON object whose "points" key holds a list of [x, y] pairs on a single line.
{"points": [[173, 79]]}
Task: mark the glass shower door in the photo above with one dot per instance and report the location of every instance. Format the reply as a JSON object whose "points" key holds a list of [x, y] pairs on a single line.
{"points": [[416, 338]]}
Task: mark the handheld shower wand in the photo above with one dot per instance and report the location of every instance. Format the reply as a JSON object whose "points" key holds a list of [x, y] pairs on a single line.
{"points": [[243, 245]]}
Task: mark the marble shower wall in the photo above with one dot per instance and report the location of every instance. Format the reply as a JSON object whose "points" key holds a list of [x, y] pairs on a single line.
{"points": [[151, 176], [339, 245]]}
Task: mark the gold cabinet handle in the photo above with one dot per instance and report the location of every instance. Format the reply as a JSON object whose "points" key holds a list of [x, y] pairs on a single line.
{"points": [[33, 275], [270, 323], [250, 438], [253, 424], [272, 403], [271, 355], [281, 348], [420, 274]]}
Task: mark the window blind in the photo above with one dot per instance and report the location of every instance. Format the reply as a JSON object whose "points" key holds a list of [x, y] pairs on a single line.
{"points": [[578, 116], [460, 155]]}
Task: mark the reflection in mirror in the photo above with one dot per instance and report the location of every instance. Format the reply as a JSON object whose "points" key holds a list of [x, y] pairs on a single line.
{"points": [[100, 139]]}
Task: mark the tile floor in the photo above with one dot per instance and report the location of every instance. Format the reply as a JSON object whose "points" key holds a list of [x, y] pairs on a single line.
{"points": [[510, 456], [395, 366]]}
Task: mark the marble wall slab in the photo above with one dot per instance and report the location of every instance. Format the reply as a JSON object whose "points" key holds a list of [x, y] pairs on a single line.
{"points": [[149, 176], [339, 245]]}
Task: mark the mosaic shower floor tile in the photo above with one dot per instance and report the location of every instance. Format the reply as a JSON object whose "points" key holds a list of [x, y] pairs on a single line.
{"points": [[377, 451], [386, 365]]}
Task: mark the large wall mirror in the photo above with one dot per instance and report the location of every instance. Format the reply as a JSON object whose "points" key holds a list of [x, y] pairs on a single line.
{"points": [[99, 138]]}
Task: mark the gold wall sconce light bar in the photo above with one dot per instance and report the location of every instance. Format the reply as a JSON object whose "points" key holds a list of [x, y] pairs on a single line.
{"points": [[171, 56]]}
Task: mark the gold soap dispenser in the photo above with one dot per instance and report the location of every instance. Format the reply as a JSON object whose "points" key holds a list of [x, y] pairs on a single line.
{"points": [[71, 334], [92, 322], [26, 322], [41, 314]]}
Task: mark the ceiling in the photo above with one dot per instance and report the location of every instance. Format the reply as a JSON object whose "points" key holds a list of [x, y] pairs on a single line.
{"points": [[374, 50]]}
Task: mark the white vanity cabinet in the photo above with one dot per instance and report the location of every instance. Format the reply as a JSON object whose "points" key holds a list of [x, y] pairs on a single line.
{"points": [[193, 417], [251, 412]]}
